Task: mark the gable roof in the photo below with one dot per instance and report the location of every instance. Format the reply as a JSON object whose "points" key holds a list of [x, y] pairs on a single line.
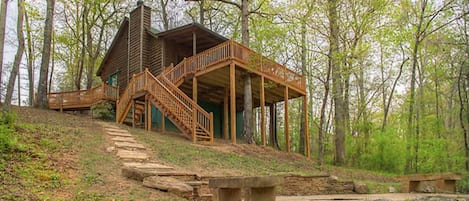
{"points": [[182, 35], [124, 25]]}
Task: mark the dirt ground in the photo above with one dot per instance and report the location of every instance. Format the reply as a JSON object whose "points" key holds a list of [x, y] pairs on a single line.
{"points": [[380, 197]]}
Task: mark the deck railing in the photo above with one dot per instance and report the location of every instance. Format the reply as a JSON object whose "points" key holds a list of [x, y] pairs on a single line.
{"points": [[233, 50], [82, 98]]}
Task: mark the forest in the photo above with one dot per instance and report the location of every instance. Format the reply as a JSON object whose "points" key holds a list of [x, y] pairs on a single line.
{"points": [[387, 80]]}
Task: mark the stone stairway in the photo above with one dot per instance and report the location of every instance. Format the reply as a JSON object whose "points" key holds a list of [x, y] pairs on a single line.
{"points": [[138, 165]]}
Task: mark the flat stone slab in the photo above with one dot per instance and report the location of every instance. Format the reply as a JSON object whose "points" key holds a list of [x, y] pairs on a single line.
{"points": [[147, 166], [129, 145], [123, 139], [116, 130], [118, 134], [169, 184], [139, 174], [136, 155]]}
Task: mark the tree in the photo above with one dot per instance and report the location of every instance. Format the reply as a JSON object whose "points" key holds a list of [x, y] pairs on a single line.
{"points": [[30, 57], [337, 87], [3, 17], [18, 57], [42, 101]]}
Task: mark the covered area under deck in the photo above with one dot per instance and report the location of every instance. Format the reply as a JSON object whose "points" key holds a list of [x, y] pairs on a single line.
{"points": [[214, 80]]}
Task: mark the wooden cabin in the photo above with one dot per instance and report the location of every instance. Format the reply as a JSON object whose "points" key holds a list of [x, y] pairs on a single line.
{"points": [[191, 79]]}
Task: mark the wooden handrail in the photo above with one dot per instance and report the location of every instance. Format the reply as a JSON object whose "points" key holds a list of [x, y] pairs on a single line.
{"points": [[82, 98], [233, 50], [169, 96]]}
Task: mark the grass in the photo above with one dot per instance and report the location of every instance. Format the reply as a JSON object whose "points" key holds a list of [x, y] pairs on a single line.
{"points": [[179, 151], [62, 157]]}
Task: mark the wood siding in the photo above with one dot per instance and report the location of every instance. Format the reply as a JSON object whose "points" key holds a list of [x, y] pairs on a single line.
{"points": [[117, 61], [155, 56], [175, 53]]}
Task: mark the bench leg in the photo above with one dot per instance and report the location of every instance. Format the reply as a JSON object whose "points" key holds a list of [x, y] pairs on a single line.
{"points": [[229, 194], [263, 194]]}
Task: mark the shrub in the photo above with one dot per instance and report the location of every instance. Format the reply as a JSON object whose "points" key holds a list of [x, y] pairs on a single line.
{"points": [[463, 184], [104, 111], [8, 141]]}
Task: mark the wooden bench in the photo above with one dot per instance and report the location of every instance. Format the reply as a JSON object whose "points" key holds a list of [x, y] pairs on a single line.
{"points": [[429, 183], [230, 188]]}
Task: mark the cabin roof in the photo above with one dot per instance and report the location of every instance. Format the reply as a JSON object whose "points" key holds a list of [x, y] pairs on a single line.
{"points": [[182, 35]]}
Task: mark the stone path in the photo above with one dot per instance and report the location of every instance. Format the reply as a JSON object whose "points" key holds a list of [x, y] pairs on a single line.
{"points": [[136, 164]]}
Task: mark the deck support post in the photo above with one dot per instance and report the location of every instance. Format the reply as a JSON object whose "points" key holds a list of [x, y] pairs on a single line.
{"points": [[305, 116], [233, 102], [133, 113], [262, 105], [148, 115], [194, 112], [287, 134], [163, 126], [225, 114]]}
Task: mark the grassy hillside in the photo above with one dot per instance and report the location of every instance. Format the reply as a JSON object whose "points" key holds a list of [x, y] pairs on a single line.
{"points": [[55, 156]]}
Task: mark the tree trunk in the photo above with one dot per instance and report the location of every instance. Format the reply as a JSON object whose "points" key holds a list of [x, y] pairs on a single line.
{"points": [[273, 126], [46, 50], [53, 64], [337, 84], [164, 14], [18, 57], [3, 17], [463, 85], [303, 72], [248, 131], [30, 58], [201, 12], [248, 121]]}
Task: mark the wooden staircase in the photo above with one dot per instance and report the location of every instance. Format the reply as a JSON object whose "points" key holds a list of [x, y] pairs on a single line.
{"points": [[182, 111]]}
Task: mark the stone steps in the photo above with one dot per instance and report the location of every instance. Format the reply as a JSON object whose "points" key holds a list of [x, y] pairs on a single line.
{"points": [[152, 174]]}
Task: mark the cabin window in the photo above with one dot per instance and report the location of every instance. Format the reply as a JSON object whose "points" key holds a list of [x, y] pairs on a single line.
{"points": [[113, 79]]}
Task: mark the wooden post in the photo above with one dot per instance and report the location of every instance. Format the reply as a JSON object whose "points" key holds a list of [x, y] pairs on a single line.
{"points": [[194, 89], [287, 134], [133, 114], [305, 112], [117, 111], [211, 128], [233, 102], [262, 104], [145, 120], [225, 114], [194, 111], [163, 129], [232, 54], [149, 116], [194, 43]]}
